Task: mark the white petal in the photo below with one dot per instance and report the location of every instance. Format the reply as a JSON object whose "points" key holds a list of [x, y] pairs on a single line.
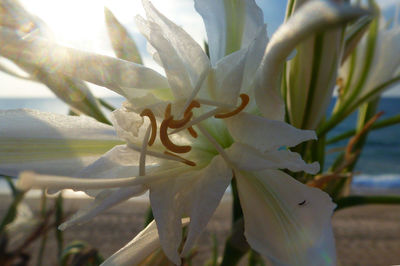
{"points": [[127, 124], [229, 26], [118, 162], [265, 134], [103, 202], [229, 76], [188, 50], [175, 69], [247, 158], [286, 221], [51, 143], [139, 249], [255, 54], [309, 19], [116, 74], [123, 44], [193, 193]]}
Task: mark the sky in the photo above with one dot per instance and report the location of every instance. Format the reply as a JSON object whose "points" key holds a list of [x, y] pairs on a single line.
{"points": [[80, 24]]}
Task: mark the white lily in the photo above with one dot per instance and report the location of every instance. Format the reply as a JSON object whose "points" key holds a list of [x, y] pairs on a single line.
{"points": [[372, 64], [230, 142]]}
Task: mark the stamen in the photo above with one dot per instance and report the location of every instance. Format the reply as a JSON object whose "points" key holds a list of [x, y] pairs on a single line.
{"points": [[214, 103], [167, 112], [167, 142], [197, 120], [181, 122], [193, 104], [192, 132], [195, 91], [245, 100], [218, 147], [142, 159], [147, 112], [183, 160], [155, 154]]}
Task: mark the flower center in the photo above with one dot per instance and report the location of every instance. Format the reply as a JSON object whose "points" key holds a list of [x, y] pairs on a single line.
{"points": [[186, 123]]}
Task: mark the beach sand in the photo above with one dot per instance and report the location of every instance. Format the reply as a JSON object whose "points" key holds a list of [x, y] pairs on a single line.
{"points": [[367, 235]]}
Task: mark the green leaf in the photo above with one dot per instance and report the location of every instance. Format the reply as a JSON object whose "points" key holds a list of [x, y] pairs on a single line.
{"points": [[352, 201], [377, 125], [12, 211], [123, 44], [336, 118], [59, 218]]}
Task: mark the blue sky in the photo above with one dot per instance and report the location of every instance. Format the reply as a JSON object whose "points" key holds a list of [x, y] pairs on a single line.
{"points": [[80, 24]]}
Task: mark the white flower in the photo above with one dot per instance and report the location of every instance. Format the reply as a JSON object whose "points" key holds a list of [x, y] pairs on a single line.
{"points": [[372, 64], [188, 135]]}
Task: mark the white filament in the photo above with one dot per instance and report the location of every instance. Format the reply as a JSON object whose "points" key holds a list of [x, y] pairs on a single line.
{"points": [[143, 150]]}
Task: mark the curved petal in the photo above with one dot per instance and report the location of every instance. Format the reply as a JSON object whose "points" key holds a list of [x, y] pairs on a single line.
{"points": [[123, 44], [189, 51], [115, 74], [102, 202], [50, 143], [268, 134], [139, 249], [195, 193], [230, 25], [229, 77], [247, 158], [285, 220], [309, 19]]}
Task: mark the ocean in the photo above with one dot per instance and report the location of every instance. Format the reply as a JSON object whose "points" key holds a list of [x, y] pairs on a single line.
{"points": [[378, 167]]}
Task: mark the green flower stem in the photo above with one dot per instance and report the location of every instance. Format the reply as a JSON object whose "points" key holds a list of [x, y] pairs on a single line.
{"points": [[237, 212], [12, 211], [149, 217], [236, 245], [378, 125], [59, 217], [352, 201]]}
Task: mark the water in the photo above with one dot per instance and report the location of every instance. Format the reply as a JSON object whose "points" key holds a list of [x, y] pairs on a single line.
{"points": [[378, 167]]}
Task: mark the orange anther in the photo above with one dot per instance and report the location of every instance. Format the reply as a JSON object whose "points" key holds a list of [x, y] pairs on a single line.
{"points": [[192, 132], [245, 100], [150, 115], [193, 104], [167, 142], [181, 122], [167, 112], [183, 160]]}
